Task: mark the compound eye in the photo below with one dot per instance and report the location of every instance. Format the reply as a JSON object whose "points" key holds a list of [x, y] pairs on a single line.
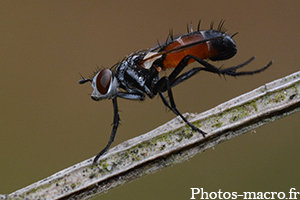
{"points": [[103, 81]]}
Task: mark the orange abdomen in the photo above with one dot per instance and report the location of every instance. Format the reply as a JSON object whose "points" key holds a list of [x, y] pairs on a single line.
{"points": [[203, 50]]}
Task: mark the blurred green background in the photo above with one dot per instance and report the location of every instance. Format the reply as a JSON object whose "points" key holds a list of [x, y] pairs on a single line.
{"points": [[49, 122]]}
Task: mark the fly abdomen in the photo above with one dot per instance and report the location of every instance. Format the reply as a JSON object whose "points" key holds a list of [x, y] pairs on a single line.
{"points": [[202, 50], [210, 44]]}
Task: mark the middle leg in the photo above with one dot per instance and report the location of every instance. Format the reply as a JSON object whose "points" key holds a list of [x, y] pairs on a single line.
{"points": [[172, 105]]}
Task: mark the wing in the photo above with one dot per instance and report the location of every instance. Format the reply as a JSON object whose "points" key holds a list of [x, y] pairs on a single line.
{"points": [[157, 53]]}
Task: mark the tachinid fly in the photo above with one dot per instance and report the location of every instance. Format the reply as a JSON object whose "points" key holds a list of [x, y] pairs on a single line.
{"points": [[137, 75]]}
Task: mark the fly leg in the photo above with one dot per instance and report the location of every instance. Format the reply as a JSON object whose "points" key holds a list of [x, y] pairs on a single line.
{"points": [[174, 80], [166, 83], [172, 105], [231, 71], [116, 123]]}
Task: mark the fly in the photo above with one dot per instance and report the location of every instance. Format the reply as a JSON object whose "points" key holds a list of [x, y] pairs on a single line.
{"points": [[137, 75]]}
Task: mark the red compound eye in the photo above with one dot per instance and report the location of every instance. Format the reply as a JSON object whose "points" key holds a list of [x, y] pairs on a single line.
{"points": [[103, 81]]}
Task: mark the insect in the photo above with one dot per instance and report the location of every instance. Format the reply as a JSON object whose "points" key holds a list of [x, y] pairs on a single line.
{"points": [[137, 75]]}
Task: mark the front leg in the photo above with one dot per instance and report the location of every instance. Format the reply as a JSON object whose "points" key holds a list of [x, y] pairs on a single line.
{"points": [[132, 96], [116, 123]]}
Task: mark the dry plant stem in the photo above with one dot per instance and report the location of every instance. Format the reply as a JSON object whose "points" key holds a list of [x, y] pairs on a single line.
{"points": [[171, 143]]}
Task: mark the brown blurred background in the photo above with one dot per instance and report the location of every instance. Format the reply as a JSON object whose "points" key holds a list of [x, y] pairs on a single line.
{"points": [[49, 122]]}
